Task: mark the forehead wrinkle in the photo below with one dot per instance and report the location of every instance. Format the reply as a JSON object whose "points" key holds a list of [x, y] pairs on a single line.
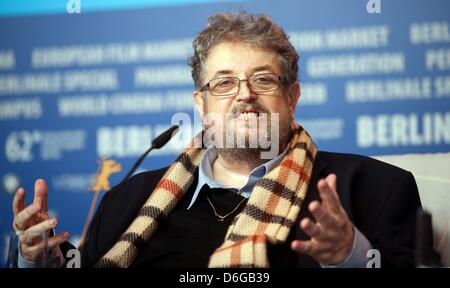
{"points": [[275, 67]]}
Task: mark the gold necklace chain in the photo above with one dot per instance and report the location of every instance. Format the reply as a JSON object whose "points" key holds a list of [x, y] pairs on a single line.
{"points": [[222, 217]]}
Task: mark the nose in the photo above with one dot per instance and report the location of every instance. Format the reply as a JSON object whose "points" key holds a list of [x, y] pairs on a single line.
{"points": [[245, 93]]}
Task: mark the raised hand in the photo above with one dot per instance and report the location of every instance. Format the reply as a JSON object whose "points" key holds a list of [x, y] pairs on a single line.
{"points": [[32, 222], [332, 233]]}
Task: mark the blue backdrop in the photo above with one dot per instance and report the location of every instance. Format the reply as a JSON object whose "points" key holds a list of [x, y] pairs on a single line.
{"points": [[78, 86]]}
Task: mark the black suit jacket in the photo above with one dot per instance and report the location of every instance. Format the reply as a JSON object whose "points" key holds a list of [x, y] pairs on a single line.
{"points": [[380, 199]]}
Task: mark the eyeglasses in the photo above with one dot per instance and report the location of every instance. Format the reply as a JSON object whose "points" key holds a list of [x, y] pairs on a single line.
{"points": [[227, 86]]}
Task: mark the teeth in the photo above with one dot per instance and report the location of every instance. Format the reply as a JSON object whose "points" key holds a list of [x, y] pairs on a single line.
{"points": [[248, 115]]}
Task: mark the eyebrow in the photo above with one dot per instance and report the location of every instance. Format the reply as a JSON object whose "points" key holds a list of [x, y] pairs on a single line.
{"points": [[256, 69]]}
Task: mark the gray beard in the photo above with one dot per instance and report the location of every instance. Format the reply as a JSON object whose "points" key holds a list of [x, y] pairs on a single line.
{"points": [[253, 155]]}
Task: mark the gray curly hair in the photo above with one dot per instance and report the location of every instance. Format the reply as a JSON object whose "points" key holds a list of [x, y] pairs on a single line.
{"points": [[257, 30]]}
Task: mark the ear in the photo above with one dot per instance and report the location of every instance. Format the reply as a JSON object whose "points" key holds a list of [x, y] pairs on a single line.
{"points": [[199, 104], [294, 95]]}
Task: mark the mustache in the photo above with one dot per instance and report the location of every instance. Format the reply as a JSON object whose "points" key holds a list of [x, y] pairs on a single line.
{"points": [[238, 108]]}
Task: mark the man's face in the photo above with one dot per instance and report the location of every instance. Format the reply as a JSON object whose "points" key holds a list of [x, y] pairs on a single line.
{"points": [[241, 60]]}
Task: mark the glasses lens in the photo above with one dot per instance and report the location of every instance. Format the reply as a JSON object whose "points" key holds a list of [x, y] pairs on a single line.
{"points": [[230, 85], [223, 86], [264, 82]]}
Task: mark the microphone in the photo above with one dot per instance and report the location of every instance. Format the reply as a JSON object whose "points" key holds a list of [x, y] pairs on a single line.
{"points": [[157, 143]]}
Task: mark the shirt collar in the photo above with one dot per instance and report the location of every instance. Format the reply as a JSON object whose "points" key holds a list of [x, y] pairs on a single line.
{"points": [[205, 175]]}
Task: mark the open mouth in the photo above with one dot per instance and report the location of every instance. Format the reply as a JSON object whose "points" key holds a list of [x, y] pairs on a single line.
{"points": [[247, 115]]}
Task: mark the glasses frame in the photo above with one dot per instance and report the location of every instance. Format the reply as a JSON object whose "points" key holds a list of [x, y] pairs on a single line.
{"points": [[207, 86]]}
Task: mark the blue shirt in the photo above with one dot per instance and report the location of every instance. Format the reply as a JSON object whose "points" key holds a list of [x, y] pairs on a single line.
{"points": [[205, 175]]}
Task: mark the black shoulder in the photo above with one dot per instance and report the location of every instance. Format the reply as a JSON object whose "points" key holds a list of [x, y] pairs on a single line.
{"points": [[137, 186], [129, 195], [350, 162]]}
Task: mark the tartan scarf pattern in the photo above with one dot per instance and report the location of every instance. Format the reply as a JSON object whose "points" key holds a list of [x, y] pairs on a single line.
{"points": [[268, 216]]}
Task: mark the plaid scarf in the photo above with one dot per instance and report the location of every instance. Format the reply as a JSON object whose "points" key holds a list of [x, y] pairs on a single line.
{"points": [[269, 214]]}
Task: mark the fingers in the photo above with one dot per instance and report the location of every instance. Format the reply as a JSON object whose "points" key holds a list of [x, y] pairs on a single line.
{"points": [[322, 215], [311, 229], [331, 234], [312, 246], [19, 201], [24, 216], [305, 247], [32, 253], [331, 180], [41, 193], [328, 193], [36, 231]]}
